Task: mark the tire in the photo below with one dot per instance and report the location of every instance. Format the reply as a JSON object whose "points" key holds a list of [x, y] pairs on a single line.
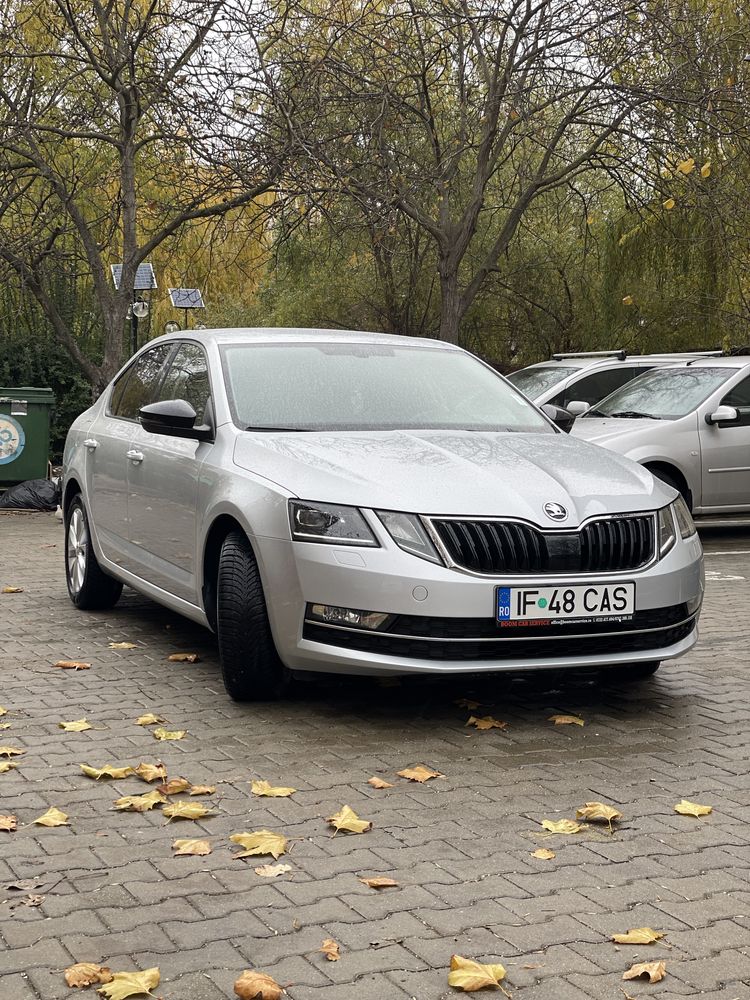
{"points": [[89, 587], [670, 480], [250, 665]]}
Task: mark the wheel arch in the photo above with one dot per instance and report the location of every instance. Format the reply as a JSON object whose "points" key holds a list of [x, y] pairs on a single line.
{"points": [[222, 526], [674, 473], [72, 487]]}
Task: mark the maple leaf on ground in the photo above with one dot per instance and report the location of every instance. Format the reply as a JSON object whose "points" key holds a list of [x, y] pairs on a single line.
{"points": [[544, 854], [346, 819], [272, 871], [185, 847], [79, 726], [6, 765], [378, 882], [165, 734], [123, 645], [486, 722], [330, 949], [655, 971], [467, 975], [420, 773], [8, 823], [264, 788], [149, 719], [638, 935], [108, 771], [86, 974], [139, 803], [598, 812], [174, 786], [151, 772], [378, 782], [566, 720], [72, 665], [260, 842], [201, 790], [53, 817], [130, 984], [184, 658], [254, 985], [182, 809], [3, 711], [5, 725], [685, 808], [12, 590], [561, 826], [11, 751]]}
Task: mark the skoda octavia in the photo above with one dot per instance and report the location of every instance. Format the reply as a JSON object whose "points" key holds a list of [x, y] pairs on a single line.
{"points": [[364, 503]]}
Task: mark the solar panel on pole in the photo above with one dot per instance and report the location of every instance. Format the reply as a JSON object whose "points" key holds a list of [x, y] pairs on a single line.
{"points": [[145, 278], [186, 298]]}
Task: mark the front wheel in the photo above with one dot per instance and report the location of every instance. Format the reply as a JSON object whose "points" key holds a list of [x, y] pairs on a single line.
{"points": [[250, 664], [90, 588]]}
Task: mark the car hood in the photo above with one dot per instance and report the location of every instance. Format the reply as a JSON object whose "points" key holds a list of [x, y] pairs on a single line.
{"points": [[452, 472], [615, 432]]}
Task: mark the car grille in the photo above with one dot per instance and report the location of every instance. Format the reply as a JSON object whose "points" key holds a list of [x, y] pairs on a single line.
{"points": [[607, 545], [619, 639]]}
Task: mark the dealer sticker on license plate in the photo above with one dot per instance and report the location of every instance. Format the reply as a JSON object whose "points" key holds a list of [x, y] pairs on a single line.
{"points": [[550, 604]]}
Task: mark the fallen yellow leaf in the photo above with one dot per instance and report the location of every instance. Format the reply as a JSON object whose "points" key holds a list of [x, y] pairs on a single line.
{"points": [[108, 771], [87, 973], [347, 819], [598, 812], [79, 726], [378, 782], [331, 950], [544, 854], [182, 809], [53, 817], [184, 847], [669, 204], [467, 975], [272, 871], [149, 719], [11, 751], [687, 808], [139, 803], [130, 984], [638, 935], [122, 645], [3, 711], [566, 720], [174, 786], [166, 734], [6, 765], [418, 772], [655, 971], [253, 985], [4, 725], [72, 665], [486, 722], [201, 790], [151, 772], [260, 842], [561, 826], [8, 823], [12, 590], [184, 658], [263, 788], [379, 882]]}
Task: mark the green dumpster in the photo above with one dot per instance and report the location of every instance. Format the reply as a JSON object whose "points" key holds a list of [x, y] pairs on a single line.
{"points": [[24, 433]]}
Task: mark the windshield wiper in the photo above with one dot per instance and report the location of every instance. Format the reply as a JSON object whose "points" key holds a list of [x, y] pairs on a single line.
{"points": [[635, 415], [257, 427], [595, 413]]}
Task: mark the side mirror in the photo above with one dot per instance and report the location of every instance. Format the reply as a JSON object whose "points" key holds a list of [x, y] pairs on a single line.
{"points": [[577, 407], [174, 417], [723, 415], [559, 416]]}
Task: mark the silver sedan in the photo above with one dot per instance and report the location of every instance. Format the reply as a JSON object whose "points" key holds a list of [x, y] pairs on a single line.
{"points": [[363, 503]]}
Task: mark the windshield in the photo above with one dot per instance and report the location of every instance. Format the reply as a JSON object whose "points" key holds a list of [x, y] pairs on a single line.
{"points": [[534, 381], [356, 386], [662, 393]]}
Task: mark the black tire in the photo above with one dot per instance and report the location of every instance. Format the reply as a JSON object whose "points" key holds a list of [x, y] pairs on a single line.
{"points": [[250, 664], [89, 587], [670, 480]]}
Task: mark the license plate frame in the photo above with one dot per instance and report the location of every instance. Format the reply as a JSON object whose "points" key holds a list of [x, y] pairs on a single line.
{"points": [[558, 603]]}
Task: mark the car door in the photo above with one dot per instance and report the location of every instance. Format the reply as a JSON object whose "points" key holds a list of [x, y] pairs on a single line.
{"points": [[725, 451], [163, 478], [107, 444]]}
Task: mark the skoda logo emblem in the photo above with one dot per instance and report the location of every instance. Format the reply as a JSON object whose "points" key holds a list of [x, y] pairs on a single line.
{"points": [[556, 511]]}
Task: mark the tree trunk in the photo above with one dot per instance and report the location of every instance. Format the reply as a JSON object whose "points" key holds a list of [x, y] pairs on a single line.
{"points": [[451, 306]]}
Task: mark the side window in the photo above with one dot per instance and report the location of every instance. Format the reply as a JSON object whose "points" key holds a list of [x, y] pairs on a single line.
{"points": [[138, 384], [739, 395], [592, 388], [187, 378]]}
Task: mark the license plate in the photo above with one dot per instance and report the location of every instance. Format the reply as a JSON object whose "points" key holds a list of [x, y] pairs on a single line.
{"points": [[547, 604]]}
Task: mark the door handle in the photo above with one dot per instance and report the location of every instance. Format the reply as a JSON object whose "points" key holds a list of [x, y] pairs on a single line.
{"points": [[91, 443], [135, 456]]}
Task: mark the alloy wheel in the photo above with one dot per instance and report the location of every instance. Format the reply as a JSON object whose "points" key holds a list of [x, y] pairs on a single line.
{"points": [[77, 552]]}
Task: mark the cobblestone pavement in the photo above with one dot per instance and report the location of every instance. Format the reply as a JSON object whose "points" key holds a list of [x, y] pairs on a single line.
{"points": [[460, 847]]}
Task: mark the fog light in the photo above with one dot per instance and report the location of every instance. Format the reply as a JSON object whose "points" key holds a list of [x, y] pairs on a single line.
{"points": [[350, 617]]}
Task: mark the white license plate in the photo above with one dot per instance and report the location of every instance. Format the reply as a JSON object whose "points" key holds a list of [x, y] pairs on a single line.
{"points": [[604, 600]]}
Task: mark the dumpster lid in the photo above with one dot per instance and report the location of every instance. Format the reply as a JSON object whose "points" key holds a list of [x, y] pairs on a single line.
{"points": [[32, 394]]}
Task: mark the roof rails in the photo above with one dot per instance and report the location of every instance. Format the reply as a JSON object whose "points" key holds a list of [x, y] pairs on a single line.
{"points": [[620, 355]]}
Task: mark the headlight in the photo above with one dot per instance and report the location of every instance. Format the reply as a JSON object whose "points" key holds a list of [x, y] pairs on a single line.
{"points": [[325, 522], [683, 518], [407, 532], [667, 533]]}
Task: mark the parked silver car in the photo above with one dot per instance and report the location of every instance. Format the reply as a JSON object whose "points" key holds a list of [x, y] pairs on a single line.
{"points": [[689, 424], [362, 503]]}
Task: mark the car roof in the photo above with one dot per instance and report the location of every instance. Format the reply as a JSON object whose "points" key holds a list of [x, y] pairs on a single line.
{"points": [[301, 335]]}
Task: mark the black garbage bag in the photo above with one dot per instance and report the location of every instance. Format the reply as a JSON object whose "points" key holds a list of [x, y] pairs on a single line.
{"points": [[34, 494]]}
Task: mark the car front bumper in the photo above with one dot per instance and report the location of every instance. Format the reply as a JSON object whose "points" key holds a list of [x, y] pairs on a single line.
{"points": [[445, 620]]}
